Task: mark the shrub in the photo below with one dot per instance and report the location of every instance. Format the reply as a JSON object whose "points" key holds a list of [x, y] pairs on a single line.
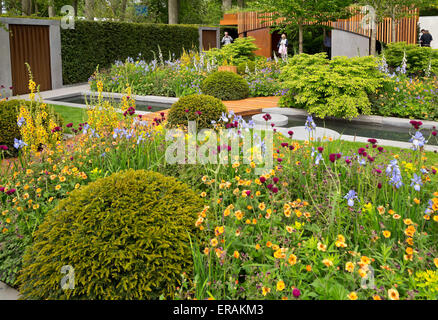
{"points": [[126, 236], [240, 51], [244, 67], [9, 129], [197, 107], [225, 85], [338, 87], [93, 43], [418, 58]]}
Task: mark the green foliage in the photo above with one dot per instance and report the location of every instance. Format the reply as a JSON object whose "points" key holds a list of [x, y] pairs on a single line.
{"points": [[225, 85], [407, 98], [338, 87], [93, 44], [418, 58], [244, 67], [240, 51], [126, 236], [9, 129], [187, 109]]}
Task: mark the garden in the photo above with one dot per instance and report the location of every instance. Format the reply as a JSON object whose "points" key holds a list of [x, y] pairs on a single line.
{"points": [[148, 209]]}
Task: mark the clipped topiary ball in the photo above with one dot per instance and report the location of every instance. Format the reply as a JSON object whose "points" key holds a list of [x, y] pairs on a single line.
{"points": [[126, 237], [197, 107], [225, 85]]}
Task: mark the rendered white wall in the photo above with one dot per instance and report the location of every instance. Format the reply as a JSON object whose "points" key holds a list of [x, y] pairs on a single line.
{"points": [[349, 44], [431, 24]]}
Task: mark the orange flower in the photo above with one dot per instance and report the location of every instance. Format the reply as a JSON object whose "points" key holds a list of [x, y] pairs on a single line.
{"points": [[327, 262], [309, 267], [292, 259], [393, 294], [236, 254]]}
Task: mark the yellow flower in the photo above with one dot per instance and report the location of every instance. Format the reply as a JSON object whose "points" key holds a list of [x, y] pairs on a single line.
{"points": [[265, 291], [289, 229], [381, 210], [386, 233], [349, 266], [435, 261], [352, 296], [257, 246], [376, 297], [321, 246], [292, 259], [280, 285], [203, 194], [58, 187], [407, 222], [8, 220], [236, 254], [213, 242], [239, 214], [393, 294], [365, 260], [327, 262], [262, 206], [206, 251]]}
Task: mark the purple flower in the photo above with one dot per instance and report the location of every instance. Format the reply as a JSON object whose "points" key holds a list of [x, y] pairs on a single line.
{"points": [[3, 147], [69, 125], [11, 191], [296, 292]]}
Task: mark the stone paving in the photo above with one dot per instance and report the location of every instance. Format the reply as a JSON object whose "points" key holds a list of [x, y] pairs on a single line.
{"points": [[8, 293]]}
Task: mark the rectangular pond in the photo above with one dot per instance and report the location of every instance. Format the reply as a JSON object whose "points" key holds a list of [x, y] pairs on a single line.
{"points": [[141, 105], [367, 130]]}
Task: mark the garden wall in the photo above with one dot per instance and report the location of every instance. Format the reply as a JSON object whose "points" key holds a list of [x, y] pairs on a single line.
{"points": [[93, 43]]}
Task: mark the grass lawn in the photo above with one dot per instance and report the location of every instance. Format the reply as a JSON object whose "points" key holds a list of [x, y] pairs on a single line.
{"points": [[71, 115]]}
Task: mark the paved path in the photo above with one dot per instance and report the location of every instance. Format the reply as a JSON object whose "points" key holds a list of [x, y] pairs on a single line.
{"points": [[8, 293]]}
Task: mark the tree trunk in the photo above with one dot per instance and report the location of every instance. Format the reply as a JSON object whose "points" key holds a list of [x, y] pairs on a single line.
{"points": [[173, 11], [241, 3], [1, 7], [373, 41], [25, 7], [393, 28], [75, 7], [123, 10], [300, 38], [226, 4], [51, 10], [89, 5]]}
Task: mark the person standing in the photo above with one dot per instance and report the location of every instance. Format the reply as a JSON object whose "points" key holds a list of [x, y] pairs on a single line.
{"points": [[282, 47], [328, 44], [226, 39], [426, 38]]}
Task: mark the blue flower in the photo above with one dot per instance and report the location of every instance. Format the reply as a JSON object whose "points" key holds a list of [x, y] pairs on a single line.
{"points": [[350, 196], [418, 141], [310, 124], [416, 182], [393, 171], [18, 144], [21, 121]]}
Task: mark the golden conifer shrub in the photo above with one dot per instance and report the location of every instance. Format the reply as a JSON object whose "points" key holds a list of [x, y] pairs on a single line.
{"points": [[125, 236]]}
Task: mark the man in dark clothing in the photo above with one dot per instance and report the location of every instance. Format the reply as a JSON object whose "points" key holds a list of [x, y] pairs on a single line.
{"points": [[426, 38]]}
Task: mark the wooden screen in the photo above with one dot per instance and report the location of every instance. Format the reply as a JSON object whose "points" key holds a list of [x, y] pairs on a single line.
{"points": [[208, 39], [30, 44]]}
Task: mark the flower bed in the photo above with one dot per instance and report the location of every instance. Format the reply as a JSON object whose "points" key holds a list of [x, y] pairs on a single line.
{"points": [[329, 220]]}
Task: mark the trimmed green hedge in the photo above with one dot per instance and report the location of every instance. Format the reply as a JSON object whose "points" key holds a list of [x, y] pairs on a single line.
{"points": [[93, 43]]}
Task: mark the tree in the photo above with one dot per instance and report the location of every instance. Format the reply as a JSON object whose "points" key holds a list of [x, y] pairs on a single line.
{"points": [[375, 13], [226, 4], [396, 10], [297, 13], [173, 11]]}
